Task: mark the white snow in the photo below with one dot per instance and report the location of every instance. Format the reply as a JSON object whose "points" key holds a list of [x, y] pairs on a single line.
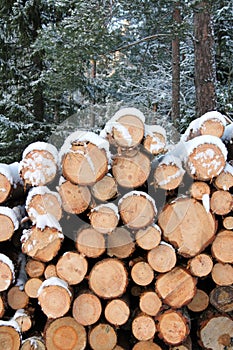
{"points": [[41, 190], [157, 228], [46, 220], [167, 244], [5, 171], [11, 214], [9, 263], [228, 169], [206, 202], [84, 136], [128, 111], [205, 139], [152, 129], [14, 169], [121, 128], [22, 277], [19, 313], [54, 281], [139, 193], [112, 206], [42, 146], [12, 323], [171, 160], [228, 133]]}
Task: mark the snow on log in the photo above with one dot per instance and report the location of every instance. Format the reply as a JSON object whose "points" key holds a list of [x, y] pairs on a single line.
{"points": [[155, 139], [162, 258], [7, 272], [224, 181], [169, 173], [9, 223], [104, 217], [72, 267], [6, 181]]}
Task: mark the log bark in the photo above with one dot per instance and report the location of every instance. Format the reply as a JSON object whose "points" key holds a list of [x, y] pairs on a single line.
{"points": [[86, 309], [201, 265], [102, 337], [149, 237], [120, 243], [222, 274], [65, 333], [150, 303], [75, 198], [162, 258], [222, 298], [105, 189], [222, 247], [199, 302], [90, 242], [142, 273], [221, 202], [117, 312], [143, 327], [72, 267]]}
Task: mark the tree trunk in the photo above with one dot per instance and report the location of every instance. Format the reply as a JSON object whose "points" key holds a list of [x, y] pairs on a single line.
{"points": [[176, 65], [204, 58]]}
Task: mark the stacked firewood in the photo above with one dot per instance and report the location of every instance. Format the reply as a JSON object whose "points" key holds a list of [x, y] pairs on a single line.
{"points": [[119, 240]]}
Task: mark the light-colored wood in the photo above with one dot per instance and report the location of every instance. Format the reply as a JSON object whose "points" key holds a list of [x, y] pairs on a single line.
{"points": [[6, 276], [90, 242], [120, 243], [184, 219], [65, 333], [149, 237], [2, 306], [102, 337], [9, 337], [222, 247], [34, 268], [7, 228], [33, 343], [86, 309], [168, 176], [216, 333], [186, 345], [212, 127], [105, 189], [199, 302], [40, 244], [137, 210], [75, 198], [172, 327], [50, 271], [150, 303], [176, 287], [142, 273], [221, 202], [32, 286], [222, 274], [162, 258], [228, 222], [146, 345], [130, 133], [24, 320], [117, 312], [104, 218], [17, 298], [198, 189], [84, 164], [143, 327], [72, 267], [155, 142], [224, 181], [221, 297], [5, 188], [131, 172], [108, 278], [201, 265]]}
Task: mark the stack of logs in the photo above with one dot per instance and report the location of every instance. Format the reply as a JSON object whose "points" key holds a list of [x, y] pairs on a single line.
{"points": [[130, 246]]}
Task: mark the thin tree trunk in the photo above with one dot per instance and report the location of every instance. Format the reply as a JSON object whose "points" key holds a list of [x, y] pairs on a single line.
{"points": [[176, 65], [204, 59]]}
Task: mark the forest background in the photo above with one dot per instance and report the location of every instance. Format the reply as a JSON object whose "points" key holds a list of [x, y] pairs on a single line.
{"points": [[86, 59]]}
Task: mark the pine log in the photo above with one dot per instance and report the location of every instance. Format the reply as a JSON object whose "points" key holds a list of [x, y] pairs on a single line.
{"points": [[199, 302], [120, 243], [9, 335], [65, 333], [38, 166], [206, 157], [176, 287], [149, 237], [84, 164], [222, 247], [198, 189], [102, 337], [17, 298], [75, 198], [104, 217], [222, 274], [41, 201], [162, 258], [86, 309], [216, 333], [131, 172], [146, 345], [228, 222], [90, 242], [186, 345], [54, 297], [108, 278], [34, 268], [224, 181], [105, 189], [221, 202], [212, 127], [8, 223], [173, 327], [221, 298], [72, 267], [137, 209], [50, 271], [7, 272], [142, 273], [182, 220], [143, 327], [5, 183], [201, 265], [150, 303], [33, 343], [169, 173], [32, 286], [41, 244], [155, 139], [2, 306], [117, 312], [24, 320]]}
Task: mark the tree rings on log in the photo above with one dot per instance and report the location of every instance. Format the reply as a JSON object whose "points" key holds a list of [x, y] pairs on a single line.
{"points": [[5, 186], [150, 303], [120, 243], [72, 267], [102, 337], [32, 286], [201, 265], [105, 189], [17, 298], [187, 225], [224, 181], [75, 198], [7, 274], [162, 258], [149, 237], [8, 223], [9, 335], [199, 302], [142, 273], [169, 173], [198, 189], [222, 247], [155, 139], [221, 298], [117, 312], [90, 242], [104, 217], [222, 274], [221, 202], [86, 309], [143, 327]]}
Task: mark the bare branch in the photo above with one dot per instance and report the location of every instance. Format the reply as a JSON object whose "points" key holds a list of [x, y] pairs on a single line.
{"points": [[147, 38]]}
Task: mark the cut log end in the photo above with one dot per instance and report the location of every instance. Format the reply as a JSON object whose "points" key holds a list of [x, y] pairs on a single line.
{"points": [[7, 228], [105, 189], [148, 238], [102, 337], [198, 189], [5, 188], [221, 298], [44, 204], [129, 131], [90, 242], [142, 274], [146, 345], [17, 299], [143, 327], [104, 219], [33, 343], [221, 202], [75, 198], [6, 276], [34, 268], [212, 127], [150, 303], [222, 247], [117, 312], [222, 274], [162, 258], [120, 243], [86, 309], [200, 301], [32, 286], [9, 338], [168, 176], [154, 144], [201, 265], [72, 267]]}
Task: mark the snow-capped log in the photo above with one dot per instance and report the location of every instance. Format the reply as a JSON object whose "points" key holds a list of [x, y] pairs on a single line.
{"points": [[169, 173], [6, 181], [8, 222], [224, 181], [104, 217], [10, 334], [33, 343], [84, 158], [7, 275], [39, 164], [131, 171], [162, 258], [149, 237], [126, 128], [155, 139]]}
